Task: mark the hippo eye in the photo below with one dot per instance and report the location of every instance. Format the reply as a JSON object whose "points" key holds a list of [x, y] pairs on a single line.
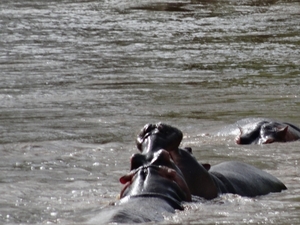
{"points": [[271, 128], [148, 128], [266, 127]]}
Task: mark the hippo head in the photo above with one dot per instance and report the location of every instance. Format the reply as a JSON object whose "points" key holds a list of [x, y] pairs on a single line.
{"points": [[154, 137], [273, 132], [159, 178]]}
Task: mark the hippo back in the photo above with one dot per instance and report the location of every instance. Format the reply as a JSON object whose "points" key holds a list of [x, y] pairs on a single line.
{"points": [[134, 210], [245, 180]]}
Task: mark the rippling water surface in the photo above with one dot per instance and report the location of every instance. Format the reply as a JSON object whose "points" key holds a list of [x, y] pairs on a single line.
{"points": [[79, 79]]}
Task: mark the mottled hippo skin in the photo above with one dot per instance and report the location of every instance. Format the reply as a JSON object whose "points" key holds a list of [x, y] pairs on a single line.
{"points": [[202, 179], [268, 131], [152, 190]]}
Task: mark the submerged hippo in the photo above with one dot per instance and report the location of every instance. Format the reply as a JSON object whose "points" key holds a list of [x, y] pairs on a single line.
{"points": [[268, 131], [202, 179], [153, 189]]}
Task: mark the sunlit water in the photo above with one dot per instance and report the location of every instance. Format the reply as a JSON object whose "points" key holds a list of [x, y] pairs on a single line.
{"points": [[79, 79]]}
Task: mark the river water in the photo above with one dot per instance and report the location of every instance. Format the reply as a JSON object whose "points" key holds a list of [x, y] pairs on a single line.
{"points": [[79, 79]]}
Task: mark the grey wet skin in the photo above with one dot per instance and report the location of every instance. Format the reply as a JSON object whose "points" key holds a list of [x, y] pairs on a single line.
{"points": [[202, 179], [152, 189], [268, 131], [163, 176]]}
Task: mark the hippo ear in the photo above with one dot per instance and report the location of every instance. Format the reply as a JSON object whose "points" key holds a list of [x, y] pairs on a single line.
{"points": [[127, 178], [283, 130], [238, 138], [140, 137], [280, 136], [206, 166], [189, 149], [123, 180]]}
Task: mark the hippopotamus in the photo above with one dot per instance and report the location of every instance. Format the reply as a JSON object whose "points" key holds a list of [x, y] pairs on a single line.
{"points": [[152, 190], [268, 131], [205, 180]]}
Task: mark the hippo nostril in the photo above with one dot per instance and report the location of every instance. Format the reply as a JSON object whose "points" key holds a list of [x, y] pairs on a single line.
{"points": [[160, 126], [144, 133], [268, 141], [162, 157], [163, 153], [238, 140]]}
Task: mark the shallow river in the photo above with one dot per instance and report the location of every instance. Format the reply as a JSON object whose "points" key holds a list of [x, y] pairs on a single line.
{"points": [[79, 79]]}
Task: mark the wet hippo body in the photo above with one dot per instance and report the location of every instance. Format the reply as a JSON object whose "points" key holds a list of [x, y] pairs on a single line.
{"points": [[163, 176], [243, 179], [152, 190], [266, 132], [202, 179], [261, 131], [155, 136], [135, 210]]}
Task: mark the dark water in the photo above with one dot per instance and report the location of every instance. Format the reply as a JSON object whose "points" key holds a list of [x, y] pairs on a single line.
{"points": [[79, 79]]}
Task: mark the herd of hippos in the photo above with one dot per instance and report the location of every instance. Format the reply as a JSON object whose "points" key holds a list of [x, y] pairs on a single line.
{"points": [[163, 176]]}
